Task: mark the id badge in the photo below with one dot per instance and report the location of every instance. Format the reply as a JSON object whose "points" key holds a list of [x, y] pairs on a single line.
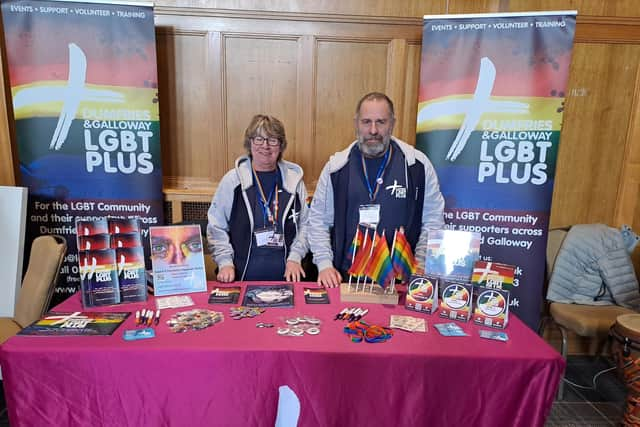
{"points": [[264, 236], [276, 240], [369, 214]]}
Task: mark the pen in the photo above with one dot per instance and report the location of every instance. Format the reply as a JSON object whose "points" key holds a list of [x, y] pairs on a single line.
{"points": [[339, 315], [157, 316], [361, 315], [355, 314], [137, 317]]}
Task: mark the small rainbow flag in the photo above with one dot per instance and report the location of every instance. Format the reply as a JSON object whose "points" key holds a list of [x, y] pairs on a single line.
{"points": [[379, 267], [403, 261], [361, 258], [355, 244]]}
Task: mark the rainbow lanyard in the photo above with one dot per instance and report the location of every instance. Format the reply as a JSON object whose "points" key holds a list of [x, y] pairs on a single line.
{"points": [[359, 331], [266, 202], [383, 166]]}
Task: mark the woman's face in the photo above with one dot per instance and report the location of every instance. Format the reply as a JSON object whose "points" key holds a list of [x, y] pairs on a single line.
{"points": [[264, 153]]}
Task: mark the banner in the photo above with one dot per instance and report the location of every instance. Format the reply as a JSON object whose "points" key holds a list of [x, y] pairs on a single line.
{"points": [[84, 84], [492, 90]]}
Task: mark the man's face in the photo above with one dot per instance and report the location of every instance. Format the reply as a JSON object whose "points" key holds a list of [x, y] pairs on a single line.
{"points": [[374, 125], [176, 246]]}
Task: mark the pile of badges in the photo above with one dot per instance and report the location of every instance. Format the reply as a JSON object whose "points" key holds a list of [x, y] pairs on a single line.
{"points": [[242, 312], [194, 320], [299, 326]]}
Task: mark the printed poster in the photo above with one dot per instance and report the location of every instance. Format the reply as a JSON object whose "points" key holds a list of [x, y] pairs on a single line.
{"points": [[177, 260], [84, 86], [491, 98]]}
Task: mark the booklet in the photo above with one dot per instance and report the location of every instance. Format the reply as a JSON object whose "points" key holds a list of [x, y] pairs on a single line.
{"points": [[450, 330], [76, 323], [452, 253], [493, 335], [224, 295], [111, 261], [98, 278], [268, 296], [316, 296], [175, 301]]}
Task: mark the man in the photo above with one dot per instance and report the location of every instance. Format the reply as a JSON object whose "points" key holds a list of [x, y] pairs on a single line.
{"points": [[377, 180]]}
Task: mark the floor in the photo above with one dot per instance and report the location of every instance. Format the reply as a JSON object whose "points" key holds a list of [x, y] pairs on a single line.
{"points": [[599, 407]]}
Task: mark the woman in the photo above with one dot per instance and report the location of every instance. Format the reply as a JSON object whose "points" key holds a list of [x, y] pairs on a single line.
{"points": [[256, 216]]}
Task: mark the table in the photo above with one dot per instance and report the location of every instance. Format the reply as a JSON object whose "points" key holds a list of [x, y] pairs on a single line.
{"points": [[229, 374]]}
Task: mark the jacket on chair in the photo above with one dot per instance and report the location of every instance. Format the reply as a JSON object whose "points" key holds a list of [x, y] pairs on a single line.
{"points": [[593, 267]]}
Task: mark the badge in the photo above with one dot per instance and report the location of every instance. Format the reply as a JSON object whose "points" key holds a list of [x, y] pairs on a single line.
{"points": [[276, 240], [263, 236], [369, 214]]}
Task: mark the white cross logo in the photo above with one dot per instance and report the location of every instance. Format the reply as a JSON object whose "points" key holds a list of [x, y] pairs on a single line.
{"points": [[62, 319], [71, 95], [473, 109], [294, 215], [395, 188]]}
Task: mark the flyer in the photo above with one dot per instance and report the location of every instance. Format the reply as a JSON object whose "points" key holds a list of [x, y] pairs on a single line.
{"points": [[268, 296], [77, 323], [177, 260]]}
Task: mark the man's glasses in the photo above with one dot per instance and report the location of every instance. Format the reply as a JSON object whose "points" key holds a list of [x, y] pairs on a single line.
{"points": [[259, 140]]}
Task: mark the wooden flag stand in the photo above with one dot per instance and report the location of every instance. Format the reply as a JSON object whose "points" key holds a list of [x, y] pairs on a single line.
{"points": [[368, 294]]}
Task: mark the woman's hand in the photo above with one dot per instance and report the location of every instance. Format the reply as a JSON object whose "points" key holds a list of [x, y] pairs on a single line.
{"points": [[227, 274], [293, 271]]}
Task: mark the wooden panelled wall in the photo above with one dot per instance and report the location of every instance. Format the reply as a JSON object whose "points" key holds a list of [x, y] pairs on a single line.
{"points": [[308, 62]]}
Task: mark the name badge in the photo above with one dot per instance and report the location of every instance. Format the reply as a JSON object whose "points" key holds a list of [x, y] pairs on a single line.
{"points": [[267, 237], [369, 214]]}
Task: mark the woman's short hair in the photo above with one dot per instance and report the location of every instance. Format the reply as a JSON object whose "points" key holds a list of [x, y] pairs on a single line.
{"points": [[272, 127]]}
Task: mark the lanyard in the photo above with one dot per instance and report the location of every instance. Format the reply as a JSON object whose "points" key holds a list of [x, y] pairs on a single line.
{"points": [[265, 202], [379, 175]]}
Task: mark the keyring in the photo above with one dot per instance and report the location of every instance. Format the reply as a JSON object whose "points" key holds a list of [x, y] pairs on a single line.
{"points": [[313, 331]]}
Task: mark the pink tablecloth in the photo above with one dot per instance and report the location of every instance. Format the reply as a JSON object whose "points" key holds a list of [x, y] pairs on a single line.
{"points": [[229, 374]]}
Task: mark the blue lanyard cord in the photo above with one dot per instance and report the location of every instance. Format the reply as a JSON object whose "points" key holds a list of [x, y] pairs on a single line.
{"points": [[265, 202], [379, 175]]}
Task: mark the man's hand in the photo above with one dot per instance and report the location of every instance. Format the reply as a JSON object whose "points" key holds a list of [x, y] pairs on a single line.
{"points": [[329, 278], [293, 271], [227, 274]]}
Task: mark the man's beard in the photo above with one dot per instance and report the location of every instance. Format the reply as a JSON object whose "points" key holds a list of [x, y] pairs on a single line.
{"points": [[376, 149]]}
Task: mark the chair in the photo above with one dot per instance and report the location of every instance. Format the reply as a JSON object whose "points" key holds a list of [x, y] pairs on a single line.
{"points": [[47, 254], [591, 321]]}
